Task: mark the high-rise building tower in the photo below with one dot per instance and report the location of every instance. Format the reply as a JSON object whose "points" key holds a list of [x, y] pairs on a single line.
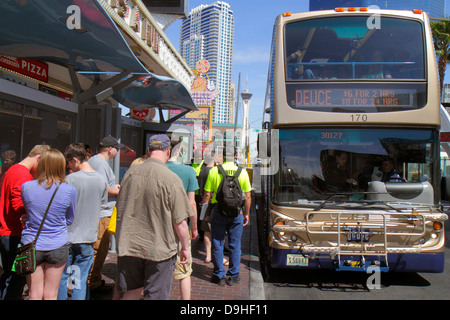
{"points": [[208, 34]]}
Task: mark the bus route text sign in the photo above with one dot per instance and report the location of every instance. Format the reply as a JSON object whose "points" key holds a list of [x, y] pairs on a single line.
{"points": [[312, 97]]}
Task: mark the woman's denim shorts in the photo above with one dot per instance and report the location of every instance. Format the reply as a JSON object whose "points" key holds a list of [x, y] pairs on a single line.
{"points": [[56, 256]]}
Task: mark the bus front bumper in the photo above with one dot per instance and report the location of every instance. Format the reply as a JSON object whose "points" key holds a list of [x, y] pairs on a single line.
{"points": [[397, 262]]}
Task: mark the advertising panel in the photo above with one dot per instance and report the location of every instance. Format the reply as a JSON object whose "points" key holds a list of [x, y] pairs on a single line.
{"points": [[203, 93]]}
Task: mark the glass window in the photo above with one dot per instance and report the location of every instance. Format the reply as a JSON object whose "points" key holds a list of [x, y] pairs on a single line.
{"points": [[25, 126], [11, 124], [318, 163], [92, 132], [345, 48], [130, 137], [46, 127]]}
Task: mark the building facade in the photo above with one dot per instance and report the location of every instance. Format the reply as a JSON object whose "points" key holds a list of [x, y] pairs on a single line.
{"points": [[208, 34]]}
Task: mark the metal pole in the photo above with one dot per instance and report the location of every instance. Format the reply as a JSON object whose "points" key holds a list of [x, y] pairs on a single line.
{"points": [[236, 111]]}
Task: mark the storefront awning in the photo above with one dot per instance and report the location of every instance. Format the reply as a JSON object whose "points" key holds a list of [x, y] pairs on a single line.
{"points": [[81, 36]]}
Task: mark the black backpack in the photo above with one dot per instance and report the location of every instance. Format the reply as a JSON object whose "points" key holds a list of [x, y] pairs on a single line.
{"points": [[229, 195]]}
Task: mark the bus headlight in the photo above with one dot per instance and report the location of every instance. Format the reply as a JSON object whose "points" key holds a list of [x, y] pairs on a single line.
{"points": [[280, 222]]}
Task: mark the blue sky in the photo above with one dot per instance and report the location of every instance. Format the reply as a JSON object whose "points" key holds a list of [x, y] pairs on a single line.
{"points": [[254, 20]]}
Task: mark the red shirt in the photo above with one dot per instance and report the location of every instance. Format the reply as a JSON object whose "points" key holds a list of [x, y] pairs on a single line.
{"points": [[11, 206]]}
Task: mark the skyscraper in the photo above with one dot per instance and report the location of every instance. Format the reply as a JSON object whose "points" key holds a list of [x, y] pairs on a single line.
{"points": [[208, 34]]}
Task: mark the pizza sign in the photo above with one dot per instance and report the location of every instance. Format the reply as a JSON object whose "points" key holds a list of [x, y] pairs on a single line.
{"points": [[32, 68]]}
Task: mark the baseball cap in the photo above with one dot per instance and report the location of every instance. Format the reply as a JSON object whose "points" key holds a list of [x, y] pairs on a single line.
{"points": [[159, 141], [109, 141]]}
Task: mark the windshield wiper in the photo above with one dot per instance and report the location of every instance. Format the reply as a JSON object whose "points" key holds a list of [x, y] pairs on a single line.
{"points": [[320, 206], [366, 202]]}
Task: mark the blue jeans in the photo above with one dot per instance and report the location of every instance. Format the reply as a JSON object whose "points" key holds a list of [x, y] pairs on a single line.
{"points": [[11, 285], [221, 225], [78, 267]]}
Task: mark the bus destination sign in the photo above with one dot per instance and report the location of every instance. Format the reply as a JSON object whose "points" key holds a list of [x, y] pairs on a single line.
{"points": [[315, 97]]}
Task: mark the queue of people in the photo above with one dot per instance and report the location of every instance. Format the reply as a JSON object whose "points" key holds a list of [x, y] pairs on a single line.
{"points": [[156, 220]]}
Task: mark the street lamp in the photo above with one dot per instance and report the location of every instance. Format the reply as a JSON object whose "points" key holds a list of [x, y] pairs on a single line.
{"points": [[246, 96]]}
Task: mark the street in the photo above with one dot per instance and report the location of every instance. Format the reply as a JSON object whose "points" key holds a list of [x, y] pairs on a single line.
{"points": [[332, 285]]}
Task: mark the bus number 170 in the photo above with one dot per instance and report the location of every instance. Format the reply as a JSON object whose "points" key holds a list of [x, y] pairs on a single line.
{"points": [[357, 117]]}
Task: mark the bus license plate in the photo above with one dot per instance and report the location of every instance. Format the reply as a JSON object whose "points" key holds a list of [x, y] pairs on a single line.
{"points": [[357, 234], [296, 260]]}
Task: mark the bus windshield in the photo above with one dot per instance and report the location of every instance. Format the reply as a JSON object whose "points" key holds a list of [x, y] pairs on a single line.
{"points": [[316, 163], [384, 65]]}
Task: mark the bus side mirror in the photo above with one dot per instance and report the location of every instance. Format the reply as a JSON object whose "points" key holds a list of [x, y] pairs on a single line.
{"points": [[268, 149]]}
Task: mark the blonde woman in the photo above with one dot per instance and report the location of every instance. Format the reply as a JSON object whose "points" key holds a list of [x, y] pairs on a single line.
{"points": [[51, 246]]}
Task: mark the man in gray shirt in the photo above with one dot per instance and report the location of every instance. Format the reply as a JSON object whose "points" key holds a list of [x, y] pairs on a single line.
{"points": [[92, 192], [108, 149]]}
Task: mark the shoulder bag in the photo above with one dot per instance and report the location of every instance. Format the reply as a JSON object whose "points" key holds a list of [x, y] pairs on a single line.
{"points": [[25, 262]]}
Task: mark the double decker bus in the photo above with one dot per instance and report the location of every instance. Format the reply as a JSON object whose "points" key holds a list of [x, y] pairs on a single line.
{"points": [[352, 171]]}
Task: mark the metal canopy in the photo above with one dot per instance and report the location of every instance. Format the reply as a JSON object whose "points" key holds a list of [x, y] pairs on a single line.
{"points": [[95, 48], [151, 90]]}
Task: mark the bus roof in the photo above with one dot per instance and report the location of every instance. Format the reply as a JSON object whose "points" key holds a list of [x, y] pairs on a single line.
{"points": [[414, 14]]}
